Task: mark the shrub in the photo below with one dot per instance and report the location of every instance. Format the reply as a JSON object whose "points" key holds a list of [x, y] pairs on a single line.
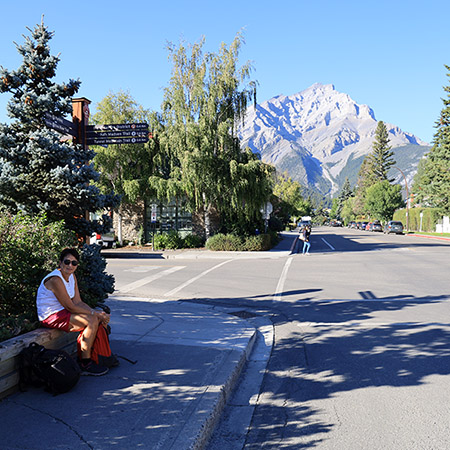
{"points": [[29, 250], [192, 241], [260, 242], [171, 241], [160, 241], [93, 281], [231, 242], [224, 242]]}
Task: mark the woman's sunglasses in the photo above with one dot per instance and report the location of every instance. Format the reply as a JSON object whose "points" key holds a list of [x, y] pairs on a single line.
{"points": [[68, 262]]}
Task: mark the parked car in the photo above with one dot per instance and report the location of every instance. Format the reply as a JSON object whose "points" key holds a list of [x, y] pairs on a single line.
{"points": [[352, 224], [369, 226], [393, 226], [363, 225], [376, 226], [358, 225], [104, 240]]}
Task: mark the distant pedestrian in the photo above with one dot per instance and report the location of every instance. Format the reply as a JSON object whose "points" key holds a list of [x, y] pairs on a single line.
{"points": [[305, 234]]}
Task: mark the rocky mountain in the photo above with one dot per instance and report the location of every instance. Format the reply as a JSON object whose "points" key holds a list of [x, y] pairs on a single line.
{"points": [[320, 136]]}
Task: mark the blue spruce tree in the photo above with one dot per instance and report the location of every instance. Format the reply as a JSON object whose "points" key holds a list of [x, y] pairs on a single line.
{"points": [[38, 171]]}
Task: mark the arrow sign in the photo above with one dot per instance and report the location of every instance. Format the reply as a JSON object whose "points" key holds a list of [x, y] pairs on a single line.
{"points": [[103, 141], [108, 134], [61, 125], [118, 127]]}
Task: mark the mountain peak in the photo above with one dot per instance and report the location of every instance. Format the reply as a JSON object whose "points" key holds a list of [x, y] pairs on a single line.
{"points": [[315, 133]]}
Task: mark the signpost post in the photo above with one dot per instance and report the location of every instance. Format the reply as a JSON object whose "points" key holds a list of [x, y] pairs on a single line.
{"points": [[85, 134]]}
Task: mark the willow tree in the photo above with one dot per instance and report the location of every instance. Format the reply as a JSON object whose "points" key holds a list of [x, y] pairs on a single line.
{"points": [[205, 101]]}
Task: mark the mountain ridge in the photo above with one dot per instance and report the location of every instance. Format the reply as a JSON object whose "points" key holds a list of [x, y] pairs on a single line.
{"points": [[315, 134]]}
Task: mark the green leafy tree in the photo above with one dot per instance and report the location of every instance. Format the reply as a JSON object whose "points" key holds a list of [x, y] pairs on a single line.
{"points": [[381, 158], [38, 171], [126, 168], [202, 107], [432, 182], [288, 200], [382, 199], [347, 212]]}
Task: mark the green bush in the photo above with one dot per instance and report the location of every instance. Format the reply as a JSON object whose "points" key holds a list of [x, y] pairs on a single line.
{"points": [[260, 242], [170, 241], [29, 250], [93, 281], [160, 241], [224, 242], [231, 242], [192, 241]]}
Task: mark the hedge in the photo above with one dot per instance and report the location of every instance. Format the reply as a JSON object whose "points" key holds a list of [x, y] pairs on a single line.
{"points": [[231, 242], [431, 216]]}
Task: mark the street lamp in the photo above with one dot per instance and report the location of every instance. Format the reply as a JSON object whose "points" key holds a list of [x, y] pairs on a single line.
{"points": [[407, 198]]}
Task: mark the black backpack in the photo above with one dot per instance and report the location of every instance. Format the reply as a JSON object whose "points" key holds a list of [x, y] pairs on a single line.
{"points": [[55, 370]]}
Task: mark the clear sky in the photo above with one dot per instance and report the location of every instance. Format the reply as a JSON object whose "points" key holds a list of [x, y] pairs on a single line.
{"points": [[388, 54]]}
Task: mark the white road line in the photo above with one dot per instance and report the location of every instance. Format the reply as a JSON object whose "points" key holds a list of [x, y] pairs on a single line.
{"points": [[192, 280], [329, 245], [283, 276], [139, 283]]}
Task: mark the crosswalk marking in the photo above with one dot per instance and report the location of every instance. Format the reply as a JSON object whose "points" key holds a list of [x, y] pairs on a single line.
{"points": [[139, 283], [188, 282]]}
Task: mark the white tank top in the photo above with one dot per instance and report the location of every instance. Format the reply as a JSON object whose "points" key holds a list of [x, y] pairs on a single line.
{"points": [[46, 301]]}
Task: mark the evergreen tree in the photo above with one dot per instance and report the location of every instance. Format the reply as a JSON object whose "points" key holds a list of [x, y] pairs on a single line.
{"points": [[345, 193], [39, 172], [381, 158], [366, 178], [202, 107], [432, 185]]}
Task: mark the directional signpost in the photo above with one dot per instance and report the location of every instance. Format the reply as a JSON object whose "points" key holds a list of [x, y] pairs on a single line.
{"points": [[121, 133], [84, 134], [61, 125]]}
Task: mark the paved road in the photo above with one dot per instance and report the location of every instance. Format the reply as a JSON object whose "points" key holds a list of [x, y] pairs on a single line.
{"points": [[361, 355]]}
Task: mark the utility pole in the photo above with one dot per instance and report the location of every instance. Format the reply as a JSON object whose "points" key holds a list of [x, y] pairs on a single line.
{"points": [[407, 198]]}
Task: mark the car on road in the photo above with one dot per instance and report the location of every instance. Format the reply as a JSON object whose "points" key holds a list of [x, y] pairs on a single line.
{"points": [[393, 226]]}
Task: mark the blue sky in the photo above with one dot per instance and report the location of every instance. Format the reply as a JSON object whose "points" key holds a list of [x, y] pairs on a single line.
{"points": [[388, 54]]}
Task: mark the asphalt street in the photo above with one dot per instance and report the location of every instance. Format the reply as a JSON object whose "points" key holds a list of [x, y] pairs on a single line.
{"points": [[361, 337]]}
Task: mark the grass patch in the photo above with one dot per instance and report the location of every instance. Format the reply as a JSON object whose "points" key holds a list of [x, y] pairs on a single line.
{"points": [[424, 233]]}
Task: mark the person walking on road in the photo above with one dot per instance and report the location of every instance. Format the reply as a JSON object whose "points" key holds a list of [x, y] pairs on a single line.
{"points": [[306, 233]]}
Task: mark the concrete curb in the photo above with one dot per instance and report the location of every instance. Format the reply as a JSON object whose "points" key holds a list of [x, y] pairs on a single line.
{"points": [[213, 402], [428, 236]]}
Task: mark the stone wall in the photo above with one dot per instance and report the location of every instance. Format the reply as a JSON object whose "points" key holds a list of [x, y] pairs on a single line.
{"points": [[132, 221]]}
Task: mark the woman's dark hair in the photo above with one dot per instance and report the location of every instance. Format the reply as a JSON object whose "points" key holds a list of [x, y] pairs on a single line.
{"points": [[69, 251]]}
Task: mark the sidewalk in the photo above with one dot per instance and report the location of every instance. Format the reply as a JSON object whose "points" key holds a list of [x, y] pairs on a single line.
{"points": [[189, 358]]}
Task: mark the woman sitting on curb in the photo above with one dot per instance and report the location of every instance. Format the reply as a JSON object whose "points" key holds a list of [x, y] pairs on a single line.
{"points": [[59, 305]]}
